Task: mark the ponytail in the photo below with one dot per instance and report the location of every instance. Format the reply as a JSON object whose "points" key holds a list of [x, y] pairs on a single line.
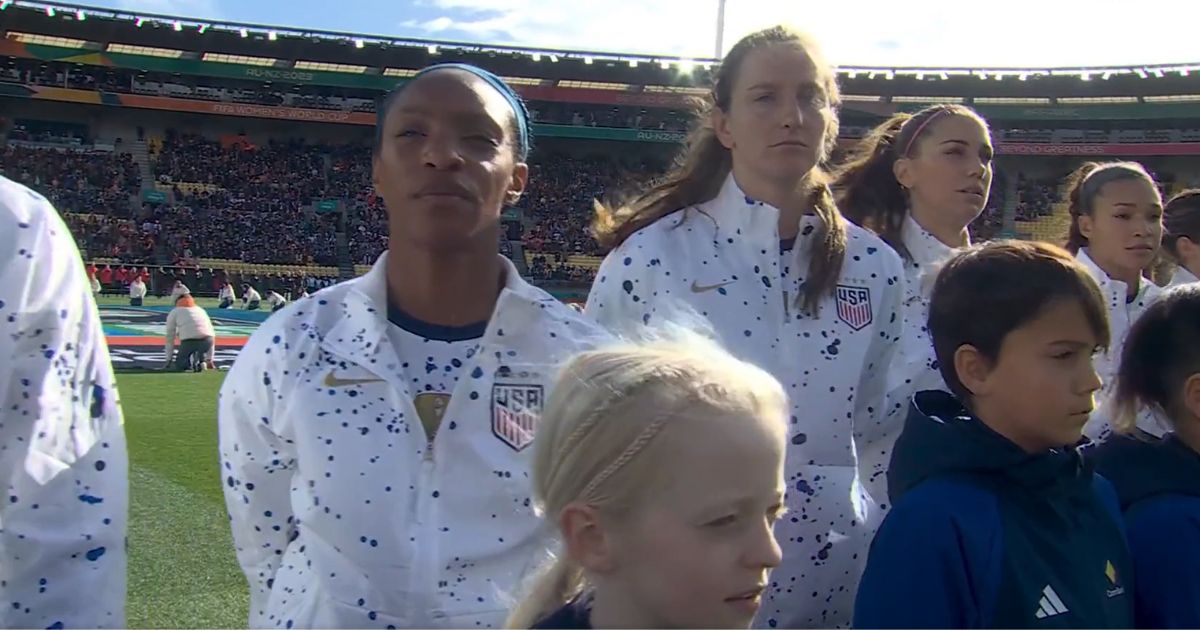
{"points": [[1078, 205], [825, 262], [555, 586], [870, 194], [1181, 218], [696, 178], [1085, 184], [1161, 351]]}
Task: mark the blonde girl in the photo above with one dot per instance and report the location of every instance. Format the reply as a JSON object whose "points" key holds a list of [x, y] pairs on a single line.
{"points": [[661, 466]]}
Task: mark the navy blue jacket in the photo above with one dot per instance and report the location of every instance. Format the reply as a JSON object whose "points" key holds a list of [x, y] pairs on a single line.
{"points": [[1158, 484], [576, 615], [985, 535]]}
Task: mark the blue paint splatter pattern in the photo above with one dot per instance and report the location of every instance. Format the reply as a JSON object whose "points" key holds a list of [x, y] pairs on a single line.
{"points": [[343, 513], [62, 447], [915, 367], [724, 260]]}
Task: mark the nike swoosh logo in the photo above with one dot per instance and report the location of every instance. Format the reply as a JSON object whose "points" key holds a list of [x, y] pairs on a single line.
{"points": [[699, 288], [332, 380]]}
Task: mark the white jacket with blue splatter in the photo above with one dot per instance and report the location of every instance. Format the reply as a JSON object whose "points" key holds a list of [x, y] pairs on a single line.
{"points": [[62, 444], [343, 513], [723, 259], [1122, 313], [915, 366]]}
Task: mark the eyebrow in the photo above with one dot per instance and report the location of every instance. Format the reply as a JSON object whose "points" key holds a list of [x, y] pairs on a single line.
{"points": [[1074, 343], [964, 143], [770, 85], [723, 502], [1127, 204], [471, 118]]}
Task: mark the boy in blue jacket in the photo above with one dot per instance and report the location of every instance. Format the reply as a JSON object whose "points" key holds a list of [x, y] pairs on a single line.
{"points": [[998, 522], [1158, 481]]}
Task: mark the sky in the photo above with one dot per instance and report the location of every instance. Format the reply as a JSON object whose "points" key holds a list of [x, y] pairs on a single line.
{"points": [[889, 33]]}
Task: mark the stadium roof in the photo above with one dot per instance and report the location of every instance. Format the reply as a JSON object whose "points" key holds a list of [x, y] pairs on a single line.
{"points": [[281, 47]]}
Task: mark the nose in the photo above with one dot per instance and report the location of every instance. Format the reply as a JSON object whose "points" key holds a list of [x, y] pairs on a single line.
{"points": [[440, 152], [976, 168], [1148, 226], [793, 115], [1091, 379], [763, 549]]}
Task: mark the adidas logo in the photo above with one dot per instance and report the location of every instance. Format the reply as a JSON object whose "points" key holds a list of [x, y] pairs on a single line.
{"points": [[1050, 605]]}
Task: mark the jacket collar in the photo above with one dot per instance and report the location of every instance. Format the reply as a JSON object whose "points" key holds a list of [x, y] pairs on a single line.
{"points": [[1113, 289], [1182, 276], [362, 329], [924, 248], [740, 215]]}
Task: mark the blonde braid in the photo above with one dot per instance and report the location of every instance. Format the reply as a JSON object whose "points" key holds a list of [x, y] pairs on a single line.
{"points": [[643, 438]]}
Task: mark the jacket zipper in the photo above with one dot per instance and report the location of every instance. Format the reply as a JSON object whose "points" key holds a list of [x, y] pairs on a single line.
{"points": [[426, 555]]}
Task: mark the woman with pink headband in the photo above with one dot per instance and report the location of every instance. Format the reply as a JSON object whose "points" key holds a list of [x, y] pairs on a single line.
{"points": [[918, 180]]}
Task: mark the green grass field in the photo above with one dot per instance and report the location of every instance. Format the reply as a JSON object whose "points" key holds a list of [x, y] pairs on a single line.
{"points": [[182, 569]]}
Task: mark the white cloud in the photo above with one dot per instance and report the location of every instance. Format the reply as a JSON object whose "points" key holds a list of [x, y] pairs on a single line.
{"points": [[601, 26], [1014, 33], [437, 25], [202, 9], [477, 5]]}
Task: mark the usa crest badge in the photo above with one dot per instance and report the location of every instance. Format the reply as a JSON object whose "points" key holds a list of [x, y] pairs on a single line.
{"points": [[516, 408], [854, 306]]}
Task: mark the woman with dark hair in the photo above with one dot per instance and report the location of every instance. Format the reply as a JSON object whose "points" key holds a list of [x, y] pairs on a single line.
{"points": [[1116, 230], [375, 436], [918, 180], [1158, 480], [1181, 236]]}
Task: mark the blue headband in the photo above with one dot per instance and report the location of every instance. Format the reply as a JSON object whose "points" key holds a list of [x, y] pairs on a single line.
{"points": [[514, 101]]}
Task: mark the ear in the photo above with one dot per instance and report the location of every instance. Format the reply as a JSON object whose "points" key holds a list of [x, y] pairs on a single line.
{"points": [[375, 171], [720, 125], [1191, 395], [903, 168], [516, 185], [1187, 248], [1087, 225], [973, 369], [585, 539]]}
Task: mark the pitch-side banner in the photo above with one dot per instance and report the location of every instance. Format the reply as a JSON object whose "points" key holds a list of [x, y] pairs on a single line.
{"points": [[1114, 150], [565, 131]]}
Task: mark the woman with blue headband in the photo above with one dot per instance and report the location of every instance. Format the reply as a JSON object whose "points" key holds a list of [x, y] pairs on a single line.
{"points": [[374, 436]]}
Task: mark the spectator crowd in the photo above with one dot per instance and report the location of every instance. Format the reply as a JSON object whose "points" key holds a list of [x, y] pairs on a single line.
{"points": [[232, 199]]}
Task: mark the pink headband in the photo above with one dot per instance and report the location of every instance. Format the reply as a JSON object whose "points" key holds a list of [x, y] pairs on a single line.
{"points": [[916, 134]]}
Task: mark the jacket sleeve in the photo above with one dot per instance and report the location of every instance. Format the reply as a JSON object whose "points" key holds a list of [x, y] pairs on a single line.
{"points": [[935, 562], [875, 428], [257, 465], [622, 293], [914, 366], [63, 463], [1164, 539]]}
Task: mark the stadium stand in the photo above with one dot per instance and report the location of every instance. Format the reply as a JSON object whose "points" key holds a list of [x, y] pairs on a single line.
{"points": [[292, 201]]}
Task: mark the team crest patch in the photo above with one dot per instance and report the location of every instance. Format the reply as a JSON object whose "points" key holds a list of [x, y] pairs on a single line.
{"points": [[515, 412], [1110, 572], [854, 306]]}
